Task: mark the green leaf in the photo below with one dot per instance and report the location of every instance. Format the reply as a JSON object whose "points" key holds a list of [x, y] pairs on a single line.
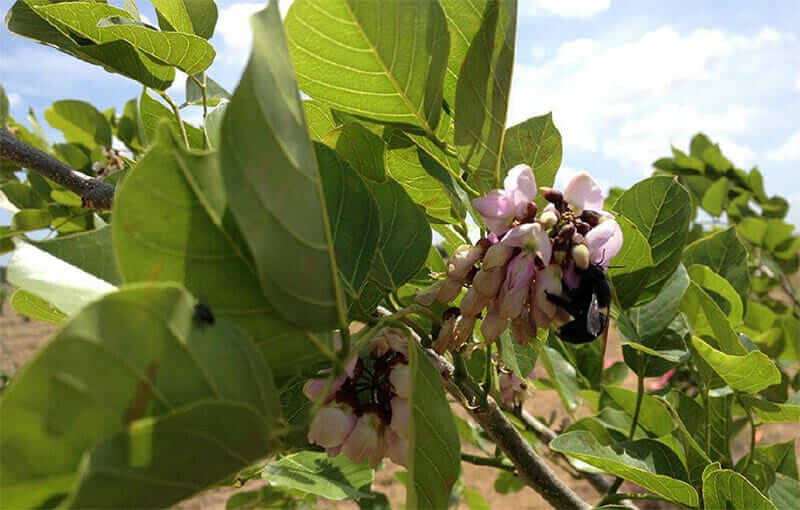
{"points": [[707, 319], [32, 306], [128, 127], [537, 143], [661, 208], [4, 108], [214, 91], [521, 359], [725, 255], [462, 23], [562, 374], [321, 120], [692, 163], [214, 123], [118, 56], [79, 122], [645, 462], [482, 95], [203, 14], [717, 286], [635, 254], [314, 473], [26, 220], [723, 487], [268, 497], [653, 329], [173, 15], [102, 23], [192, 238], [434, 451], [653, 417], [750, 373], [770, 412], [405, 237], [91, 251], [361, 148], [474, 499], [716, 197], [269, 165], [21, 196], [425, 181], [120, 416], [152, 112], [354, 217], [785, 492], [382, 60]]}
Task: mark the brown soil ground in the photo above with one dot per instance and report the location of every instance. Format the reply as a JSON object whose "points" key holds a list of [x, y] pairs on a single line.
{"points": [[20, 338]]}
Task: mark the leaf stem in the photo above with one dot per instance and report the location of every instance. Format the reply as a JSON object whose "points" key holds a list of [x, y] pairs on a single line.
{"points": [[496, 462], [753, 428], [177, 111], [204, 92], [616, 498], [487, 375], [639, 398]]}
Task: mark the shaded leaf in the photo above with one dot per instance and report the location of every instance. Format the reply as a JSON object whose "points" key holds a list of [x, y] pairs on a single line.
{"points": [[535, 142], [750, 373], [80, 123], [34, 307], [91, 251], [722, 487], [314, 473], [725, 255]]}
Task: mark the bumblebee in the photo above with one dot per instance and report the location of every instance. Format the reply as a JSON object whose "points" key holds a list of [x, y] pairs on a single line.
{"points": [[587, 304], [203, 314]]}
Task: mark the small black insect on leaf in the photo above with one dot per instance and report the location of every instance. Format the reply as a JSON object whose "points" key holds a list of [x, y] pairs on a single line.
{"points": [[203, 314]]}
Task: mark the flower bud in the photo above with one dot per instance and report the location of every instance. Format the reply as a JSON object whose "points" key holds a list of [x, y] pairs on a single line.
{"points": [[549, 218], [465, 325], [446, 335], [488, 282], [580, 254], [397, 448], [473, 302], [512, 302], [522, 331], [530, 213], [400, 412], [582, 227], [512, 388], [365, 443], [551, 195], [496, 256], [567, 231], [559, 256], [331, 426], [428, 295], [462, 260], [397, 340], [399, 379], [448, 291], [514, 291], [592, 218], [493, 324]]}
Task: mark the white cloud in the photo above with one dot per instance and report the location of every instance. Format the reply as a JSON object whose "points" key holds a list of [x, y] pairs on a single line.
{"points": [[789, 151], [234, 22], [14, 99], [628, 101], [565, 8], [797, 82]]}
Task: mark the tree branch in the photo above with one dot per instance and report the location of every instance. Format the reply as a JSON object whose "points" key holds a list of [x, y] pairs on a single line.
{"points": [[530, 467], [94, 193]]}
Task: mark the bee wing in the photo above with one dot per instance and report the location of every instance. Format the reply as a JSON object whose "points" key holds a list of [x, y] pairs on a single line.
{"points": [[594, 324]]}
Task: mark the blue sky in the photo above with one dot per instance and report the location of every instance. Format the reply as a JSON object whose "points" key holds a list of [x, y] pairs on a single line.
{"points": [[623, 78]]}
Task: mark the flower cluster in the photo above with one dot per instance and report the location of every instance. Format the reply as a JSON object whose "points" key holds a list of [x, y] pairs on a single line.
{"points": [[527, 257], [513, 390], [365, 411]]}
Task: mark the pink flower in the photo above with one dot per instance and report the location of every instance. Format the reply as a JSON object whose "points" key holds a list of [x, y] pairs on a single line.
{"points": [[462, 260], [397, 448], [493, 324], [542, 309], [496, 256], [399, 379], [473, 302], [500, 207], [512, 388], [662, 381], [583, 192], [530, 237], [313, 388], [487, 281], [604, 241], [514, 290], [390, 339], [365, 442], [400, 411], [331, 426]]}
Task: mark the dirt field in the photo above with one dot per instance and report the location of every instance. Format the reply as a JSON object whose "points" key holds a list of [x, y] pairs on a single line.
{"points": [[19, 340]]}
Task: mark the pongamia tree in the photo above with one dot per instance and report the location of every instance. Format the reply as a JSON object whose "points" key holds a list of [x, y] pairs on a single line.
{"points": [[291, 290]]}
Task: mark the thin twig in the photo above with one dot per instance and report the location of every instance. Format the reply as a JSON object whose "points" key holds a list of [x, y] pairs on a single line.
{"points": [[494, 462], [94, 193], [177, 111]]}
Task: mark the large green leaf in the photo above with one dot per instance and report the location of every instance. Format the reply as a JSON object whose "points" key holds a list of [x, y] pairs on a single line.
{"points": [[135, 403], [90, 251], [785, 492], [463, 22], [750, 373], [434, 450], [425, 181], [653, 417], [723, 488], [117, 56], [405, 237], [537, 143], [648, 326], [363, 149], [355, 222], [718, 287], [708, 320], [80, 123], [661, 208], [314, 473], [562, 374], [382, 60], [635, 254], [189, 16], [724, 253], [482, 94], [103, 23], [274, 186], [32, 306], [645, 462], [192, 238]]}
